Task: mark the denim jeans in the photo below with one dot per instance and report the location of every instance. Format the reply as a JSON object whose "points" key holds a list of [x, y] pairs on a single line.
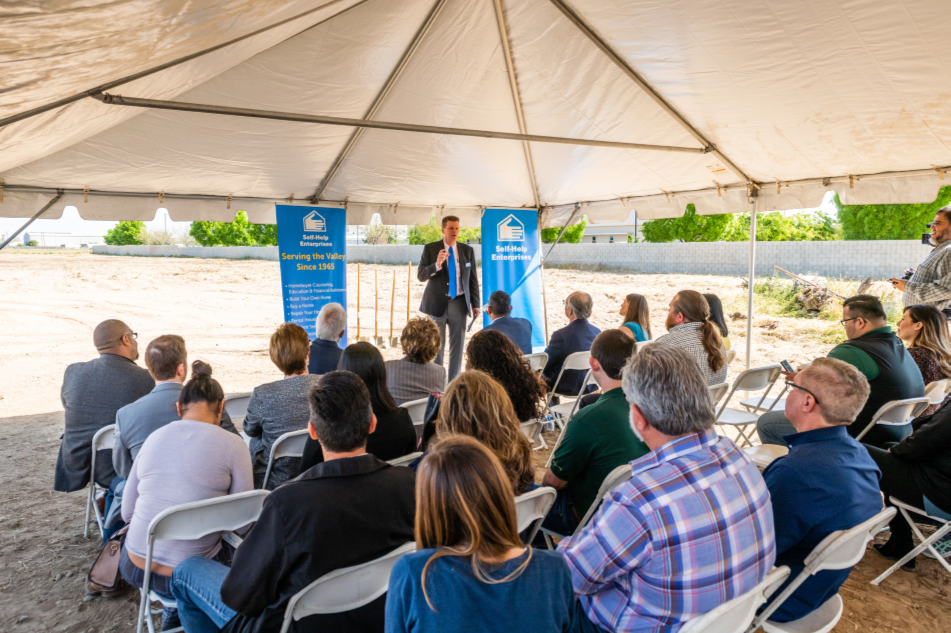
{"points": [[772, 426], [158, 583], [561, 518], [196, 584], [580, 623], [118, 524]]}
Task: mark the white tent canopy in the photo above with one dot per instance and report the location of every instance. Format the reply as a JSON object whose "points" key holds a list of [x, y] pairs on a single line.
{"points": [[786, 99]]}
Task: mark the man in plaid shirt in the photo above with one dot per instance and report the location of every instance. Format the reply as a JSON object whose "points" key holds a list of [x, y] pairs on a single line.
{"points": [[691, 529], [931, 283]]}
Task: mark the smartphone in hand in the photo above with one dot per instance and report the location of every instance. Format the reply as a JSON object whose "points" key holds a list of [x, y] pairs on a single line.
{"points": [[786, 366]]}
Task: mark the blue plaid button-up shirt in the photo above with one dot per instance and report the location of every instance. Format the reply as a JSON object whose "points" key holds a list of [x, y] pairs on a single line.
{"points": [[690, 530]]}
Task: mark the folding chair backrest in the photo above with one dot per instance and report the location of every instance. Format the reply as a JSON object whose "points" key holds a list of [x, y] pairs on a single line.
{"points": [[345, 589], [417, 410], [935, 391], [104, 439], [405, 460], [642, 344], [236, 404], [614, 479], [730, 356], [736, 615], [537, 360], [756, 378], [717, 392], [288, 445], [531, 509], [577, 361], [190, 521], [845, 548], [898, 412]]}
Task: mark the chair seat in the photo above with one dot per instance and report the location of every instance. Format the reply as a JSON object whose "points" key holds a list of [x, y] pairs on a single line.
{"points": [[563, 409], [154, 597], [764, 454], [821, 620], [766, 404], [735, 416]]}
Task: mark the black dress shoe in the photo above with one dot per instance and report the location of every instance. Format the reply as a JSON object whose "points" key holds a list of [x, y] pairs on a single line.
{"points": [[885, 553]]}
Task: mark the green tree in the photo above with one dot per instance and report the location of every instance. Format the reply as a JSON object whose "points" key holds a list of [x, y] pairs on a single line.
{"points": [[776, 227], [240, 232], [33, 243], [124, 234], [573, 233], [689, 228], [888, 221], [380, 234], [432, 231]]}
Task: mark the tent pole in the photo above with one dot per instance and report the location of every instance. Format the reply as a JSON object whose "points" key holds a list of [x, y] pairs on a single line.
{"points": [[628, 70], [541, 272], [30, 221], [204, 108], [749, 292], [562, 232], [397, 71]]}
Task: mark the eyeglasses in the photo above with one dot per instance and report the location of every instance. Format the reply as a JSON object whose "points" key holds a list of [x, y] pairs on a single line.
{"points": [[134, 335], [790, 383], [844, 321]]}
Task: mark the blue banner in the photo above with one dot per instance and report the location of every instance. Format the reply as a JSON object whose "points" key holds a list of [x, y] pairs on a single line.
{"points": [[312, 243], [510, 262]]}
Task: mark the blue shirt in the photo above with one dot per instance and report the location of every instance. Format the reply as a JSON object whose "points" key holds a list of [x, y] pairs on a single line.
{"points": [[828, 482], [539, 600], [637, 331]]}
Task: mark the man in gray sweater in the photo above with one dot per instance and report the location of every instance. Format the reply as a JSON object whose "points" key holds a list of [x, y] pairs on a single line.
{"points": [[92, 394]]}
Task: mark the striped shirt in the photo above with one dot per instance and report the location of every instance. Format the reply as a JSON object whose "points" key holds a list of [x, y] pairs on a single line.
{"points": [[688, 336], [690, 530], [931, 283]]}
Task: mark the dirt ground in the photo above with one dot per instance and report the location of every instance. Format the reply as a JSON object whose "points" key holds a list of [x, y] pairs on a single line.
{"points": [[226, 310]]}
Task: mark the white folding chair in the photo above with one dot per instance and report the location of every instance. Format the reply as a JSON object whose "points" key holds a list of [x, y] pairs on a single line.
{"points": [[103, 440], [417, 413], [717, 392], [538, 360], [533, 431], [764, 454], [236, 404], [896, 413], [288, 445], [730, 356], [566, 410], [405, 460], [759, 404], [735, 616], [641, 344], [935, 514], [754, 379], [577, 361], [344, 589], [190, 521], [936, 391], [614, 479], [840, 550], [531, 509]]}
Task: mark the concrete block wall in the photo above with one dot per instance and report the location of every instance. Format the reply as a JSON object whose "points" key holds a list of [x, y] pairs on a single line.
{"points": [[833, 259]]}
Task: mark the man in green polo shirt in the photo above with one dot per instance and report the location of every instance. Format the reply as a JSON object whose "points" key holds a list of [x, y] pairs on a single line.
{"points": [[597, 440], [879, 354]]}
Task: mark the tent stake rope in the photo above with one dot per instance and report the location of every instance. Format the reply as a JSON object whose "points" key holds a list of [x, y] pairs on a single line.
{"points": [[58, 195], [181, 106]]}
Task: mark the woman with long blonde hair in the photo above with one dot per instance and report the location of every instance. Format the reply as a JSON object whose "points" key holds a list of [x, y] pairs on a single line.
{"points": [[925, 329], [476, 405], [471, 571]]}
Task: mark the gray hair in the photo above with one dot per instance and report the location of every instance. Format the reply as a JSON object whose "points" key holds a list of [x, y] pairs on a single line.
{"points": [[666, 385], [580, 304], [331, 321]]}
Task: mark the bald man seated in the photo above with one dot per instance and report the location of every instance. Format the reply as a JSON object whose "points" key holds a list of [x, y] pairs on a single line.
{"points": [[92, 394]]}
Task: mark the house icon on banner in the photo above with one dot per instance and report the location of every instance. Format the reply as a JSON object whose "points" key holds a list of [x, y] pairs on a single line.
{"points": [[511, 230], [314, 223]]}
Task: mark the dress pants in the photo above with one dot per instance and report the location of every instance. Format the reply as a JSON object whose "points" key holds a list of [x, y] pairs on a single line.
{"points": [[455, 318], [898, 481]]}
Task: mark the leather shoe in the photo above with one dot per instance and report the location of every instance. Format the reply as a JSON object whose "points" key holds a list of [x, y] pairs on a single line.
{"points": [[92, 589]]}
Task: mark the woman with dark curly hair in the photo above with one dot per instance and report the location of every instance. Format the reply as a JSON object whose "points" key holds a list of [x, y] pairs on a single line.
{"points": [[495, 354]]}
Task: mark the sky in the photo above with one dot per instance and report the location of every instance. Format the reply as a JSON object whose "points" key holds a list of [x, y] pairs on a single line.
{"points": [[72, 223]]}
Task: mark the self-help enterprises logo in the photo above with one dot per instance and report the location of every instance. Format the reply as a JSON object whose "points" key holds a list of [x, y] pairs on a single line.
{"points": [[314, 223], [511, 230]]}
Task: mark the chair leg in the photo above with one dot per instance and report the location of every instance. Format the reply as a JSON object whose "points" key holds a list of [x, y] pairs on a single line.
{"points": [[925, 544], [90, 499], [143, 609], [100, 519], [548, 540]]}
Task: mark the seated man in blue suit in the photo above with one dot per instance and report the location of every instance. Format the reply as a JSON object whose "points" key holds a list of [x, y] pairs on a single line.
{"points": [[518, 330], [577, 336]]}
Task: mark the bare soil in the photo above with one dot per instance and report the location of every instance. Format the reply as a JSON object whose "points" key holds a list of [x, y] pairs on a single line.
{"points": [[226, 310]]}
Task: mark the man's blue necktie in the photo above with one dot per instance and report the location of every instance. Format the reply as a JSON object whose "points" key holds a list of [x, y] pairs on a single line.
{"points": [[452, 275]]}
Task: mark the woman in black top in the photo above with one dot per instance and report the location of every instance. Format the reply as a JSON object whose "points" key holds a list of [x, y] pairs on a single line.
{"points": [[395, 435]]}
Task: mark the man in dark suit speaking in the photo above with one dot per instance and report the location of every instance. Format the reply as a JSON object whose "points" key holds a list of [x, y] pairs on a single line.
{"points": [[452, 290]]}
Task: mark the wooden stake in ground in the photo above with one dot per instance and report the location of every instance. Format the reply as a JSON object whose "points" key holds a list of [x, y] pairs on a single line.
{"points": [[392, 341], [376, 309], [358, 302], [409, 281]]}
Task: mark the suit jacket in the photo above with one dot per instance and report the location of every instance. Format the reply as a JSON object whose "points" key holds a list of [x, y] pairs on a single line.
{"points": [[324, 356], [408, 381], [436, 295], [136, 421], [518, 330], [92, 394], [337, 514], [577, 336]]}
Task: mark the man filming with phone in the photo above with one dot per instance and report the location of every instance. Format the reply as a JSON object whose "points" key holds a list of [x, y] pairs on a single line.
{"points": [[931, 282]]}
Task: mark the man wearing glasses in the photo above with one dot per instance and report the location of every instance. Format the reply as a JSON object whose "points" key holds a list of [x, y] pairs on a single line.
{"points": [[92, 394], [879, 354], [931, 282]]}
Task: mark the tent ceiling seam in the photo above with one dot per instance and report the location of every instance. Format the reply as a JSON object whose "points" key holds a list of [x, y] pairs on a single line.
{"points": [[378, 101], [181, 60], [629, 70], [516, 98]]}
